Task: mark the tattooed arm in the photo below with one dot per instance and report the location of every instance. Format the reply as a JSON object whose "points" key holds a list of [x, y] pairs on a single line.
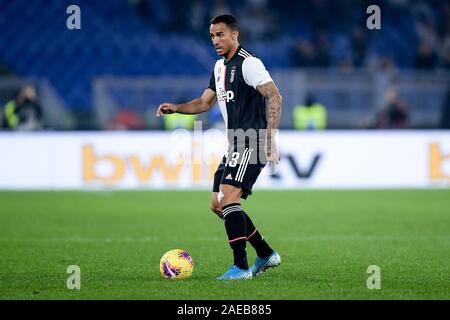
{"points": [[270, 91]]}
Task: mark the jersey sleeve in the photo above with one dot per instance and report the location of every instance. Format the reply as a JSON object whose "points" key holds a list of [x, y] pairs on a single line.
{"points": [[254, 72], [212, 82]]}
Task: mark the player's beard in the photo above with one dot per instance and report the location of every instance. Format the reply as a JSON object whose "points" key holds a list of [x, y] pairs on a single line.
{"points": [[224, 53]]}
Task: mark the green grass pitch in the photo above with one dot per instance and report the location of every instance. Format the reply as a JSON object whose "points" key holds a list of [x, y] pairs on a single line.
{"points": [[326, 239]]}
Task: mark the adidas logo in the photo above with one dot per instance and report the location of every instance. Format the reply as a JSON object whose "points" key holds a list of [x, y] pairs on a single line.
{"points": [[229, 177]]}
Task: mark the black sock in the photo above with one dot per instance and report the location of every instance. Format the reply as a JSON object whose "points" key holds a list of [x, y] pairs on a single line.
{"points": [[235, 225], [263, 250]]}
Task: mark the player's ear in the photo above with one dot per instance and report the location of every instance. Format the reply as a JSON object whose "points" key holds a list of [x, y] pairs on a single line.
{"points": [[233, 35]]}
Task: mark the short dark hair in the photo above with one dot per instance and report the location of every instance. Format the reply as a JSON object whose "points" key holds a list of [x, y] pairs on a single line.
{"points": [[228, 19]]}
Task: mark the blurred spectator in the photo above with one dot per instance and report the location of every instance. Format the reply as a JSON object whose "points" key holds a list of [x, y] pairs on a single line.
{"points": [[23, 113], [445, 20], [4, 68], [445, 112], [323, 49], [426, 57], [198, 18], [381, 63], [311, 116], [346, 64], [394, 114], [309, 54], [386, 64], [126, 120], [178, 18], [304, 54], [359, 46], [422, 10], [426, 31], [445, 53], [320, 13], [256, 21], [141, 7]]}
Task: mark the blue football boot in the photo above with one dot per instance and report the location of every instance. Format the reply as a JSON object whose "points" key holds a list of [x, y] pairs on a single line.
{"points": [[234, 273], [262, 265]]}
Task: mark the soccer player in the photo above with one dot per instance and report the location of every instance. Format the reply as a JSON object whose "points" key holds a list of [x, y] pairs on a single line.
{"points": [[242, 86]]}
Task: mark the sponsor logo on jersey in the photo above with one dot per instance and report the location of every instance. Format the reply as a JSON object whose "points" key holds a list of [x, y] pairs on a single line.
{"points": [[225, 95]]}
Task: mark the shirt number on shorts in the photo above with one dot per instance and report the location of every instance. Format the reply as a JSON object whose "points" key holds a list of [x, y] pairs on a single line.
{"points": [[232, 162]]}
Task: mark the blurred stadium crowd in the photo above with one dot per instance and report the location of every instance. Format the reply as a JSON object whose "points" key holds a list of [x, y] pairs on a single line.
{"points": [[150, 38]]}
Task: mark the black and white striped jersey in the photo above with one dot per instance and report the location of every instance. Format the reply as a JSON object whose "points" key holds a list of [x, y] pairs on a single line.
{"points": [[235, 82]]}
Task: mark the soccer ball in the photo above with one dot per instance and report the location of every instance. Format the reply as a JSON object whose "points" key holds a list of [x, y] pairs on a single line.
{"points": [[176, 264]]}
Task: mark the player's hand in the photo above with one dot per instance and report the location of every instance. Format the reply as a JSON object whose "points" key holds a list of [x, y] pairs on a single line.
{"points": [[273, 153], [166, 108]]}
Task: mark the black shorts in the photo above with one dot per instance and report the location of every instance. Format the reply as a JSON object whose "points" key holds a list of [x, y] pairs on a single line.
{"points": [[239, 169]]}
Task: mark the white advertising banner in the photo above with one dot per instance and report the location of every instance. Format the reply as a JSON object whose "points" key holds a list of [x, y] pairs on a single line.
{"points": [[130, 160]]}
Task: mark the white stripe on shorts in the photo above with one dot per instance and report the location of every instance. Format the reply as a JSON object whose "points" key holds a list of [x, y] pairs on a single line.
{"points": [[241, 176]]}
